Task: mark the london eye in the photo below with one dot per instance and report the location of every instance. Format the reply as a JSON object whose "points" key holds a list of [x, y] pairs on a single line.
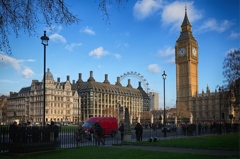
{"points": [[135, 78]]}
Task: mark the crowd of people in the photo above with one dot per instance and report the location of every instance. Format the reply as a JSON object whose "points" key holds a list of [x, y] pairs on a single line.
{"points": [[26, 133]]}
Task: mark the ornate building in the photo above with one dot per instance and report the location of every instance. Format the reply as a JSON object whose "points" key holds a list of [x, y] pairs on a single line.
{"points": [[105, 99], [76, 101], [208, 106], [61, 102]]}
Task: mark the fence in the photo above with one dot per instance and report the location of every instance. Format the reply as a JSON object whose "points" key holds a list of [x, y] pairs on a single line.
{"points": [[21, 139]]}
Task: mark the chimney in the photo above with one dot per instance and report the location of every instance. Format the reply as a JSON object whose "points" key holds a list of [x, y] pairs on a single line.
{"points": [[139, 86], [129, 83], [80, 78], [68, 78], [91, 77], [118, 82], [106, 79], [73, 81], [58, 79]]}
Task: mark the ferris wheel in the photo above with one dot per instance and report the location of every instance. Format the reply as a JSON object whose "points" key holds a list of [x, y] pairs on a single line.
{"points": [[135, 79]]}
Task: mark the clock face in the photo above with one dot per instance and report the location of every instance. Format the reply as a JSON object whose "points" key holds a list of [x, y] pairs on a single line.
{"points": [[194, 51], [182, 51]]}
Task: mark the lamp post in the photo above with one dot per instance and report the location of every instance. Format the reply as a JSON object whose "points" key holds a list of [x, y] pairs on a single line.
{"points": [[44, 39], [78, 110], [164, 113], [220, 103], [118, 112]]}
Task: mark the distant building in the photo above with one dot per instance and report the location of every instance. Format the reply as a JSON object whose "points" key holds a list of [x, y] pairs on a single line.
{"points": [[105, 99], [154, 99], [76, 101], [61, 102]]}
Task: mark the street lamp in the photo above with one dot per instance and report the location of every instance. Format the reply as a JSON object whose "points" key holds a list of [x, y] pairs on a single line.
{"points": [[44, 39], [118, 104], [220, 96], [78, 109], [164, 113]]}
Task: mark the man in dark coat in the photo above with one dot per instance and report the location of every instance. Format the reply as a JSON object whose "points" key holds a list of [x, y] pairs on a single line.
{"points": [[99, 133], [13, 131], [138, 131], [121, 129]]}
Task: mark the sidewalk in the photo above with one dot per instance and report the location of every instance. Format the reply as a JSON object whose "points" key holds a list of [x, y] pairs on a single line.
{"points": [[212, 152]]}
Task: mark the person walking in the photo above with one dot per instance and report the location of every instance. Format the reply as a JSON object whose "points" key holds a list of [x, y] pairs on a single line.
{"points": [[99, 133], [13, 131], [138, 131], [80, 133], [121, 129]]}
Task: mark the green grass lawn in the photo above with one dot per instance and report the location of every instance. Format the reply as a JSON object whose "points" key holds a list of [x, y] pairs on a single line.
{"points": [[109, 152], [94, 152], [226, 141]]}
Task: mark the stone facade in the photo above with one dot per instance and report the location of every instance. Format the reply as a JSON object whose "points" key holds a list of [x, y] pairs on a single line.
{"points": [[61, 102], [105, 99], [198, 107], [76, 101]]}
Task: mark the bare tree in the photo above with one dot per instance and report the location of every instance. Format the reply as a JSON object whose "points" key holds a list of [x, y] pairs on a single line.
{"points": [[231, 67], [231, 73], [25, 15]]}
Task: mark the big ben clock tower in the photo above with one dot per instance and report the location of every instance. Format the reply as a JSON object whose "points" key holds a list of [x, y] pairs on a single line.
{"points": [[186, 59]]}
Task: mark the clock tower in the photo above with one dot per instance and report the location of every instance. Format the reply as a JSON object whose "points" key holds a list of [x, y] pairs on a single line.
{"points": [[186, 59]]}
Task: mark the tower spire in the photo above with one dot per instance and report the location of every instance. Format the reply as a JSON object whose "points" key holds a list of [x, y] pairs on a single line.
{"points": [[185, 20]]}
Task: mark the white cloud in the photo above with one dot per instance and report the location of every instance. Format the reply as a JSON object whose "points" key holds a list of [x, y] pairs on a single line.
{"points": [[153, 68], [57, 38], [173, 14], [214, 25], [72, 46], [27, 72], [56, 29], [234, 35], [117, 56], [99, 52], [144, 8], [168, 51], [172, 60], [30, 60], [88, 30], [7, 61]]}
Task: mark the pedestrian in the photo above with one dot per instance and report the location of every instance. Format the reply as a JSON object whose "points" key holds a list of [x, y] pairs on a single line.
{"points": [[13, 131], [91, 133], [121, 129], [138, 131], [80, 133], [199, 128], [55, 129], [99, 134]]}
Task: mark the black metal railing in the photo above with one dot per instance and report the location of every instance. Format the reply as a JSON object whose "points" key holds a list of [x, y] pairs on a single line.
{"points": [[22, 139]]}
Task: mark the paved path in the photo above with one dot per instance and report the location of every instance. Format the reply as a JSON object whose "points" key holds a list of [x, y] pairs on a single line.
{"points": [[212, 152]]}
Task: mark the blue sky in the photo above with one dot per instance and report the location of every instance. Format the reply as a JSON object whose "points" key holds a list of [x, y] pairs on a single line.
{"points": [[140, 37]]}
